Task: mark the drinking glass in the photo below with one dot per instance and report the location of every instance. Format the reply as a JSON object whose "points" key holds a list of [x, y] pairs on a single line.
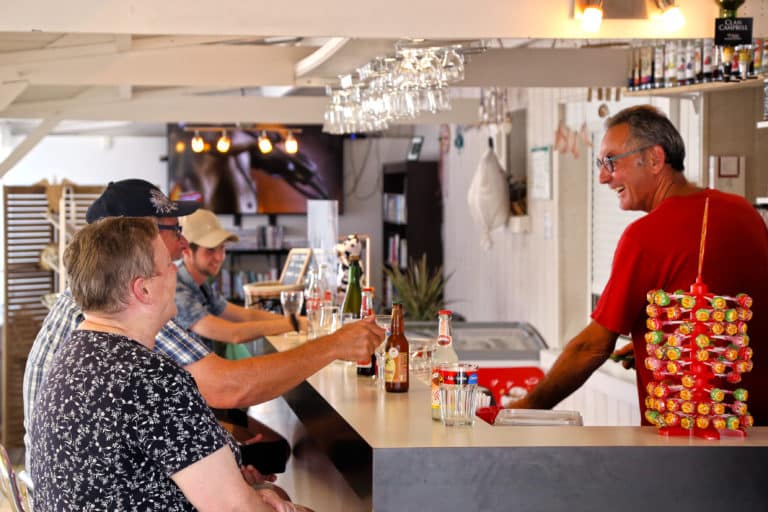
{"points": [[420, 357], [458, 393], [330, 319], [291, 301], [385, 322], [453, 66]]}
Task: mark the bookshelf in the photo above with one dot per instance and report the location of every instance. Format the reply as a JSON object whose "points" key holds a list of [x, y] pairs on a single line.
{"points": [[412, 217]]}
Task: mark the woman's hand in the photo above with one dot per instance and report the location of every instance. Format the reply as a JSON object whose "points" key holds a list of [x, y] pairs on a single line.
{"points": [[254, 477], [273, 500]]}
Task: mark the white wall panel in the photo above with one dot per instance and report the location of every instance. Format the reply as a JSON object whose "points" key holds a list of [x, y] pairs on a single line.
{"points": [[517, 278]]}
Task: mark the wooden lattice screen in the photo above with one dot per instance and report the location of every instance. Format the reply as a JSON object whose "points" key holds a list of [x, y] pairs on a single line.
{"points": [[27, 233], [28, 230]]}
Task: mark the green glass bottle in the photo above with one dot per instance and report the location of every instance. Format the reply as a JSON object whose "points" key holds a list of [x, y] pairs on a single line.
{"points": [[353, 297], [728, 8]]}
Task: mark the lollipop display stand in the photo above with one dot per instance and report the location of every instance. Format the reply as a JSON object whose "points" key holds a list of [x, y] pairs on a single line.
{"points": [[698, 348]]}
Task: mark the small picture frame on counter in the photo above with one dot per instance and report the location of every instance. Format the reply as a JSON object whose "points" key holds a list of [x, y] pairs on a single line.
{"points": [[414, 150]]}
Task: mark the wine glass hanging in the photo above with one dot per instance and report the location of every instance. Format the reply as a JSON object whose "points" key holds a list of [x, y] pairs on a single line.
{"points": [[386, 89]]}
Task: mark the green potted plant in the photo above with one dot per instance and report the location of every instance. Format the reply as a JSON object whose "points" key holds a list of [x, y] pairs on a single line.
{"points": [[420, 290]]}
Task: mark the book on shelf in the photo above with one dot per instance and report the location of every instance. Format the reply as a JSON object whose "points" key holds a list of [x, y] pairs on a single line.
{"points": [[394, 208], [389, 291], [393, 249]]}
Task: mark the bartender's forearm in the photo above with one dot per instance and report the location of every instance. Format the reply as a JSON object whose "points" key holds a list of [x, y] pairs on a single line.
{"points": [[583, 355]]}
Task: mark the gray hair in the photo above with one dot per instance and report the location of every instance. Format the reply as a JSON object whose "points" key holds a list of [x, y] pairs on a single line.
{"points": [[105, 257], [650, 126]]}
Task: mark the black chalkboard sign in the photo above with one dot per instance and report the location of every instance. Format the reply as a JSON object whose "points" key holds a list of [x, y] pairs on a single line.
{"points": [[295, 266], [733, 31]]}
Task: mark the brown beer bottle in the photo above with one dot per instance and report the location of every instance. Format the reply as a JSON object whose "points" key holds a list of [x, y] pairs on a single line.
{"points": [[396, 354]]}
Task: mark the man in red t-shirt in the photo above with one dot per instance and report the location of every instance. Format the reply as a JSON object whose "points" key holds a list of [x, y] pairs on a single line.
{"points": [[641, 158]]}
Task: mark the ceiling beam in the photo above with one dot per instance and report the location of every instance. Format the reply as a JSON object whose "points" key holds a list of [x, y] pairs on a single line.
{"points": [[218, 109], [433, 19], [151, 43], [545, 67], [27, 58], [10, 91], [348, 58], [206, 66], [28, 144]]}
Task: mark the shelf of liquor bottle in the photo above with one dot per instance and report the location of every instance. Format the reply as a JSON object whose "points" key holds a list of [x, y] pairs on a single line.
{"points": [[703, 87]]}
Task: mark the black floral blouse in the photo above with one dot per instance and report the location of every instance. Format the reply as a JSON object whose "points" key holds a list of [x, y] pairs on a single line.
{"points": [[113, 422]]}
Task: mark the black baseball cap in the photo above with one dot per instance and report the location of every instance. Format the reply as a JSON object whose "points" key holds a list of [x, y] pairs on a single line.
{"points": [[136, 198]]}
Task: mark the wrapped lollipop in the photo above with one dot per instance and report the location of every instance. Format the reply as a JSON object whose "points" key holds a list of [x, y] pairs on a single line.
{"points": [[742, 299], [684, 329]]}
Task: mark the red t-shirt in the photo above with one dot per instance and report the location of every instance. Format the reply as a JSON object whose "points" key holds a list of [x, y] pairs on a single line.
{"points": [[660, 251]]}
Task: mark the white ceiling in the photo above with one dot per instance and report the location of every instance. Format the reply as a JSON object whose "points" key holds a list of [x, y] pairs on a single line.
{"points": [[147, 62]]}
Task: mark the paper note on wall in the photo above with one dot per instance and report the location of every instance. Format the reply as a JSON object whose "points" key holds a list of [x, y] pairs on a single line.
{"points": [[541, 167]]}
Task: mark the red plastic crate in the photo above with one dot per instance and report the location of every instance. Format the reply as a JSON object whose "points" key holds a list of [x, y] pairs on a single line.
{"points": [[506, 384]]}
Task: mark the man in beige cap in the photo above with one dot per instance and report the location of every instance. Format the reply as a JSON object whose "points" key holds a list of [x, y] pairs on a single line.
{"points": [[206, 314], [204, 311]]}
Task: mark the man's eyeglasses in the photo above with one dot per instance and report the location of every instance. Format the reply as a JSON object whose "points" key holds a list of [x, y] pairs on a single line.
{"points": [[175, 227], [607, 162]]}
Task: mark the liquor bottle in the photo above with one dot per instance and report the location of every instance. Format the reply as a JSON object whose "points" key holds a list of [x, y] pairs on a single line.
{"points": [[729, 8], [707, 59], [727, 54], [690, 54], [353, 297], [717, 64], [765, 56], [312, 302], [698, 61], [396, 354], [670, 64], [658, 66], [757, 57], [326, 294], [443, 354], [745, 59], [630, 70], [680, 69], [367, 368], [735, 64], [646, 67]]}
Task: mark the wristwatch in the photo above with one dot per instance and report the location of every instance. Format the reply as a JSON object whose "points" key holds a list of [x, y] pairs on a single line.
{"points": [[294, 322]]}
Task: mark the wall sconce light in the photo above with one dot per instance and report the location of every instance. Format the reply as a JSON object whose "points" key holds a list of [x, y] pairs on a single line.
{"points": [[224, 142], [197, 143], [591, 14], [265, 145], [671, 16], [291, 144], [180, 146]]}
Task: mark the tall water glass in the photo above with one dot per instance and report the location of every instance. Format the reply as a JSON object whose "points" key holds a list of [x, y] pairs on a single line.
{"points": [[330, 319], [291, 301], [458, 393], [385, 322]]}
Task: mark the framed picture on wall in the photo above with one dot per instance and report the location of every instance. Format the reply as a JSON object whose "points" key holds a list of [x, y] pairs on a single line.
{"points": [[415, 149]]}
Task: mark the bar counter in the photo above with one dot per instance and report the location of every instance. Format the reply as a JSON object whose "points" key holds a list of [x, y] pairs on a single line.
{"points": [[391, 451]]}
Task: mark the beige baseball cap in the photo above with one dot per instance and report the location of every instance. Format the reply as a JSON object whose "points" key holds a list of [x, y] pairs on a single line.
{"points": [[203, 228]]}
